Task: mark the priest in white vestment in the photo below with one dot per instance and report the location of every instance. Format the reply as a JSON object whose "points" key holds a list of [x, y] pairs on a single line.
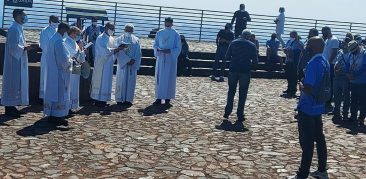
{"points": [[15, 75], [167, 48], [77, 56], [129, 60], [44, 37], [57, 84], [105, 50]]}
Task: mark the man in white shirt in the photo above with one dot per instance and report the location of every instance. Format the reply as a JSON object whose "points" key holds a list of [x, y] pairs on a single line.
{"points": [[44, 37], [15, 75], [129, 61], [330, 54], [105, 50], [167, 48], [57, 83], [280, 25]]}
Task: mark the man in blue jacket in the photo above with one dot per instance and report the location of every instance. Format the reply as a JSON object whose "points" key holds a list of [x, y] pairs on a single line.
{"points": [[357, 76], [242, 54], [310, 109]]}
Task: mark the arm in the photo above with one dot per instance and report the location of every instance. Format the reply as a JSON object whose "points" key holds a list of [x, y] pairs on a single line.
{"points": [[156, 45], [228, 55], [248, 17], [62, 59], [233, 19], [333, 54], [254, 56], [15, 49]]}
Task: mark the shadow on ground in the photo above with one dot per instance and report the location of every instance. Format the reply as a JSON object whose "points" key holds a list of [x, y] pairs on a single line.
{"points": [[41, 127], [154, 110]]}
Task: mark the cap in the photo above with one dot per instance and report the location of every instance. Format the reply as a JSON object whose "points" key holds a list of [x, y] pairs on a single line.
{"points": [[169, 19]]}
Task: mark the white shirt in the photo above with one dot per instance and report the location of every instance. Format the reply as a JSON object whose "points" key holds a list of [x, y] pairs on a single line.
{"points": [[280, 26], [330, 44]]}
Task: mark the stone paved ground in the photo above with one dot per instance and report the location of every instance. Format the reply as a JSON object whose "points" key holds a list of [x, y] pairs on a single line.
{"points": [[181, 143]]}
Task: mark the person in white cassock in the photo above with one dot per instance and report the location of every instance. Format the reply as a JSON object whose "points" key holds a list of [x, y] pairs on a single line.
{"points": [[105, 50], [77, 55], [57, 85], [129, 61], [15, 75], [44, 37], [167, 48]]}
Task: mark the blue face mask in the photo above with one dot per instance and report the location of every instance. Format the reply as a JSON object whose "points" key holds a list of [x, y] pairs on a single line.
{"points": [[25, 20]]}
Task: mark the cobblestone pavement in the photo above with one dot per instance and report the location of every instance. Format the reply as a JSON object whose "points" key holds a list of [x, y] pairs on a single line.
{"points": [[181, 142]]}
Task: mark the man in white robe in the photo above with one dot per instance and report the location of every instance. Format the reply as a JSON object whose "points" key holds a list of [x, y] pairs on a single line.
{"points": [[105, 50], [76, 55], [15, 76], [44, 37], [129, 61], [167, 48], [57, 84]]}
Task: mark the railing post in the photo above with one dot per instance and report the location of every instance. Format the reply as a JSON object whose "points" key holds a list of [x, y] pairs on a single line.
{"points": [[62, 9], [201, 27], [2, 25], [316, 23], [159, 18], [115, 13], [350, 27]]}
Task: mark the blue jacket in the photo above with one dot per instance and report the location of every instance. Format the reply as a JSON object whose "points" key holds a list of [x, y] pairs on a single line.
{"points": [[358, 70], [241, 54]]}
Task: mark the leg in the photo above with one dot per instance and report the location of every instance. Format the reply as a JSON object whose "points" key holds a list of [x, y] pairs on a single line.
{"points": [[216, 63], [232, 82], [362, 98], [189, 66], [321, 145], [279, 37], [329, 103], [292, 79], [354, 101], [288, 74], [306, 137], [337, 87], [346, 98], [244, 81]]}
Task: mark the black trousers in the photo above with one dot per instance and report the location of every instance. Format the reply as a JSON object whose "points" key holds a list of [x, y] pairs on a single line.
{"points": [[358, 100], [184, 66], [291, 76], [310, 131]]}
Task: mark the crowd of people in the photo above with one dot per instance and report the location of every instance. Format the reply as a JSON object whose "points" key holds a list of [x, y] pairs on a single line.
{"points": [[326, 70]]}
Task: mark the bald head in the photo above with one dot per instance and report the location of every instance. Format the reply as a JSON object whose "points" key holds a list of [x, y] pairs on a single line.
{"points": [[316, 45]]}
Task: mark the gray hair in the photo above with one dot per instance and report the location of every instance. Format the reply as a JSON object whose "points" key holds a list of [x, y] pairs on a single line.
{"points": [[130, 25], [246, 34]]}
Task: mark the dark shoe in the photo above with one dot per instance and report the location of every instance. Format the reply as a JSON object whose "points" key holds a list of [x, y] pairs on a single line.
{"points": [[100, 104], [127, 104], [241, 119], [213, 77], [58, 121], [221, 79], [120, 103], [239, 126], [157, 102], [167, 103], [12, 114], [361, 122], [225, 125], [286, 91], [11, 111]]}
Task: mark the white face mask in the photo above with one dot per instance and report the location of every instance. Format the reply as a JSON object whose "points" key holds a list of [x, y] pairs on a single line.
{"points": [[127, 34], [110, 32], [54, 25]]}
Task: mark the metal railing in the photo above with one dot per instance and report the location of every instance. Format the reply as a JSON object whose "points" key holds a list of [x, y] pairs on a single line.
{"points": [[195, 24]]}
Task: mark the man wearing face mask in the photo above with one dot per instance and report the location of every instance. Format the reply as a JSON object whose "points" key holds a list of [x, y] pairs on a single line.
{"points": [[241, 17], [45, 36], [357, 76], [91, 34], [311, 106], [57, 83], [77, 56], [167, 47], [129, 61], [15, 75], [105, 50]]}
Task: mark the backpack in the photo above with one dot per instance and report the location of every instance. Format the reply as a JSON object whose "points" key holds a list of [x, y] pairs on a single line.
{"points": [[324, 92]]}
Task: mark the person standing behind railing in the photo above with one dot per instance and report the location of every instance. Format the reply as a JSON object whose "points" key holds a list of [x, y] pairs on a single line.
{"points": [[224, 38], [241, 17], [184, 64], [280, 25]]}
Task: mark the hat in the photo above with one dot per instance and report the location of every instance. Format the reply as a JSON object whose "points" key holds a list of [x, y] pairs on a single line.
{"points": [[352, 46], [169, 19]]}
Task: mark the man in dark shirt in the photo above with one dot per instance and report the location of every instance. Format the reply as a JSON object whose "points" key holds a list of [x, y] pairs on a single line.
{"points": [[242, 17], [242, 54], [224, 38]]}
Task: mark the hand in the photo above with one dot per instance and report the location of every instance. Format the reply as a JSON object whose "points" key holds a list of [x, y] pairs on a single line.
{"points": [[166, 51], [81, 45], [122, 46], [131, 62], [244, 18]]}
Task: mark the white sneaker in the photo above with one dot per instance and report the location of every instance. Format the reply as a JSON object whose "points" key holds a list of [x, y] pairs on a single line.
{"points": [[319, 175]]}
